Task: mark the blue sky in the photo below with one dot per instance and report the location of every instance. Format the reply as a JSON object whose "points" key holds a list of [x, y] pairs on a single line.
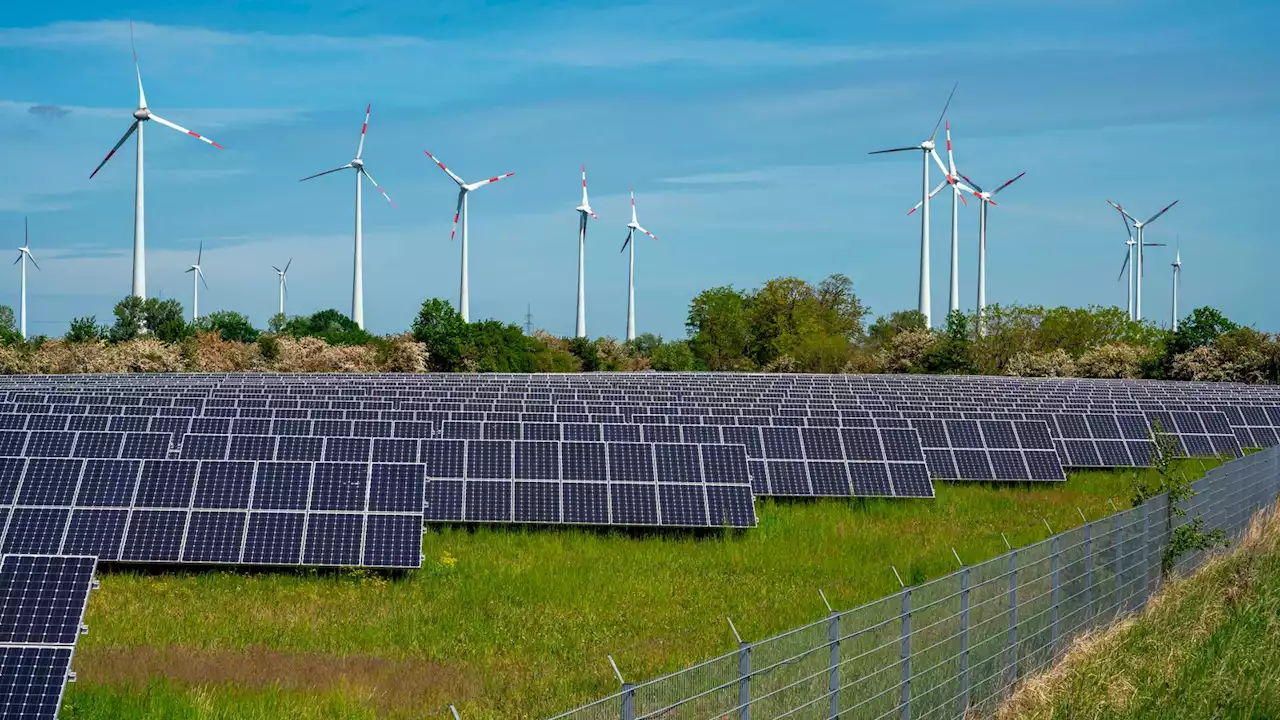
{"points": [[743, 125]]}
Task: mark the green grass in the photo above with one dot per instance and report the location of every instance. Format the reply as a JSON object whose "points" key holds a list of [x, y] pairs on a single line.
{"points": [[1207, 647], [517, 622]]}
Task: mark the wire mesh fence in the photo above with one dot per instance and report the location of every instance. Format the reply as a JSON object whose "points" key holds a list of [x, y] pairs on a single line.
{"points": [[956, 646]]}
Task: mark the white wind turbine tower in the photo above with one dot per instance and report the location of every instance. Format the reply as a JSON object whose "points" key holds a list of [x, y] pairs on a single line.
{"points": [[140, 116], [24, 254], [284, 283], [357, 164], [1140, 244], [1177, 280], [632, 227], [1129, 262], [985, 199], [197, 275], [926, 146], [584, 210], [950, 178], [464, 292]]}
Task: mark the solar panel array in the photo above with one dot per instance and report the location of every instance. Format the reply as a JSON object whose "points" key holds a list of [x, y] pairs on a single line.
{"points": [[226, 512], [1007, 450], [42, 604]]}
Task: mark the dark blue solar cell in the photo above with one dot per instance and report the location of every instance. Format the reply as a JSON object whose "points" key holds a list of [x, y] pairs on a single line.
{"points": [[339, 486], [586, 503], [47, 422], [933, 433], [282, 486], [1082, 453], [749, 437], [1226, 445], [443, 458], [998, 434], [1045, 465], [176, 427], [166, 484], [910, 480], [963, 433], [540, 431], [1196, 446], [634, 504], [1033, 435], [274, 538], [12, 442], [372, 428], [223, 485], [443, 500], [154, 536], [1216, 423], [396, 488], [1072, 426], [621, 433], [1103, 426], [870, 479], [333, 539], [10, 421], [941, 464], [973, 465], [861, 443], [583, 461], [724, 464], [35, 530], [299, 449], [348, 449], [821, 443], [108, 483], [290, 426], [1111, 453], [582, 431], [788, 477], [251, 426], [331, 428], [211, 426], [396, 450], [630, 462], [829, 478], [537, 502], [660, 433], [95, 532], [50, 444], [1008, 465], [677, 463], [901, 445], [413, 429], [205, 447], [537, 460], [489, 459], [50, 481], [682, 505], [730, 506], [501, 431], [393, 541], [252, 447], [32, 679], [782, 443], [463, 430], [98, 444], [487, 501], [702, 434], [214, 537]]}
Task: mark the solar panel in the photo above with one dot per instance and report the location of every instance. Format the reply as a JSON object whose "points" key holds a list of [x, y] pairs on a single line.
{"points": [[990, 450], [42, 604]]}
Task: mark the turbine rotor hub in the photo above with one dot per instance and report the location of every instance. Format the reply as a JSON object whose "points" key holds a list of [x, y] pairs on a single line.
{"points": [[142, 114], [357, 163]]}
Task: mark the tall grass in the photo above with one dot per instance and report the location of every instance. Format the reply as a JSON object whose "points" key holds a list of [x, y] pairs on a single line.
{"points": [[517, 622]]}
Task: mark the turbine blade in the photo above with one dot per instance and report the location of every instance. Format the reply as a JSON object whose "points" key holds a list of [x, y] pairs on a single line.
{"points": [[286, 266], [363, 128], [326, 172], [974, 184], [951, 161], [938, 161], [901, 149], [190, 269], [943, 114], [1122, 212], [932, 192], [626, 241], [273, 267], [32, 258], [1123, 265], [1007, 184], [127, 133], [376, 185], [202, 280], [15, 262], [491, 180], [457, 212], [442, 167], [1147, 244], [179, 128], [646, 232], [633, 205], [200, 254], [1165, 210], [142, 96]]}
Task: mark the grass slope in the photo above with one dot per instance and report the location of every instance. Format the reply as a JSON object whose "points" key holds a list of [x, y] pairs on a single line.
{"points": [[516, 622], [1207, 647]]}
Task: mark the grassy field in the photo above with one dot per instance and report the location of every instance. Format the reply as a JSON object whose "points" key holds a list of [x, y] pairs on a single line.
{"points": [[1207, 647], [517, 622]]}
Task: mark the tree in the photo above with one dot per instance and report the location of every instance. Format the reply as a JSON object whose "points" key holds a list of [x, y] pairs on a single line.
{"points": [[443, 331], [162, 319], [85, 329], [329, 325], [672, 357], [1201, 327], [232, 326], [719, 328], [494, 346], [884, 329], [951, 354], [644, 344], [277, 322], [586, 351], [8, 330]]}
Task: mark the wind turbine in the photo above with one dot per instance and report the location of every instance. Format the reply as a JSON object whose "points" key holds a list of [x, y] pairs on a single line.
{"points": [[632, 227], [584, 210], [357, 164], [1129, 262], [464, 300], [140, 116], [1140, 226], [197, 275], [1177, 280], [24, 254], [284, 283], [985, 199], [926, 146], [956, 188]]}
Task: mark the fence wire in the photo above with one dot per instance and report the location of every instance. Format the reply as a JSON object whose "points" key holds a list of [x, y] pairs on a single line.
{"points": [[954, 647]]}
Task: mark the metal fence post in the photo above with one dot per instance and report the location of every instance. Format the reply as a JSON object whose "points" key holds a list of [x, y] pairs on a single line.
{"points": [[1117, 564], [964, 638], [628, 701], [744, 681], [1013, 616], [1088, 570], [1053, 608], [905, 655], [833, 674], [1146, 552]]}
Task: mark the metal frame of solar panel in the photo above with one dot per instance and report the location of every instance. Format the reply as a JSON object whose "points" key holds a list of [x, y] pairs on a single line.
{"points": [[222, 512], [588, 483], [42, 606]]}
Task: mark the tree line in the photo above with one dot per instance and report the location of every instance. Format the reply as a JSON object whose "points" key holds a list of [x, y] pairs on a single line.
{"points": [[785, 325]]}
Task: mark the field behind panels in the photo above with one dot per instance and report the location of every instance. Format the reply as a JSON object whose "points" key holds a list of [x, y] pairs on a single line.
{"points": [[508, 616]]}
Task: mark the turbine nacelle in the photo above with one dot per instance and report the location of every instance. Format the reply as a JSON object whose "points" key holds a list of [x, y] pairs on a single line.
{"points": [[357, 164], [142, 114]]}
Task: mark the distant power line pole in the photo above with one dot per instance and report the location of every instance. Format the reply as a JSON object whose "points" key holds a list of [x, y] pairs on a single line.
{"points": [[528, 320]]}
